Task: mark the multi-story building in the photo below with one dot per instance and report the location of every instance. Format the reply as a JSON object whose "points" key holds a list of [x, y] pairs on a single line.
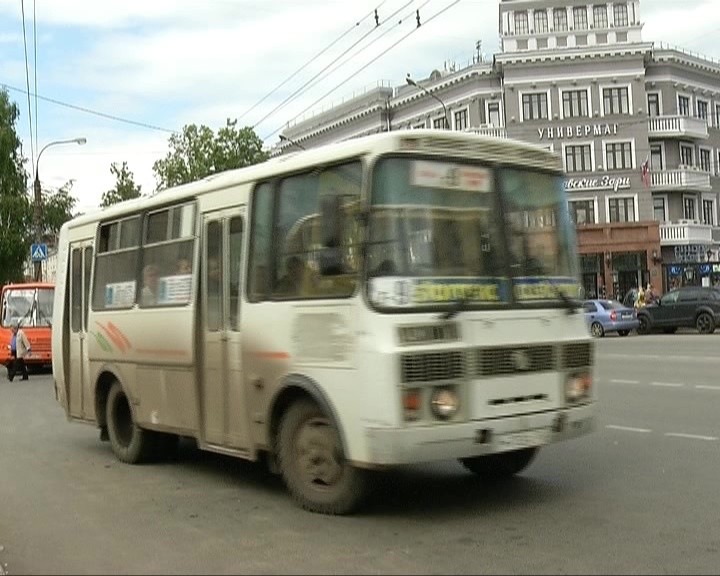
{"points": [[637, 125]]}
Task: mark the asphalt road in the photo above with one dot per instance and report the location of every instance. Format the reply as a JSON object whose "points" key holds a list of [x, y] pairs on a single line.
{"points": [[640, 495]]}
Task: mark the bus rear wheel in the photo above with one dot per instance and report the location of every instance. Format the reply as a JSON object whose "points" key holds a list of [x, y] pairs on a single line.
{"points": [[130, 443], [500, 466], [313, 465]]}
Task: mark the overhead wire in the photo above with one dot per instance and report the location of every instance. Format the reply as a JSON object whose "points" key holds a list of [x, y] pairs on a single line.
{"points": [[427, 21], [89, 110], [37, 120], [302, 88], [311, 60], [27, 81]]}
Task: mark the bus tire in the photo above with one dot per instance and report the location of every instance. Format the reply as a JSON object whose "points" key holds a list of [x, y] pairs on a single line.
{"points": [[500, 466], [312, 462], [130, 443]]}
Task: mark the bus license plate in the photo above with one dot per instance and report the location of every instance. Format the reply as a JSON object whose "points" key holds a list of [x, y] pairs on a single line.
{"points": [[524, 439]]}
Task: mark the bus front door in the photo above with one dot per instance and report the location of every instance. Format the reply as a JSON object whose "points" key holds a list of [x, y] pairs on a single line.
{"points": [[224, 405], [78, 394]]}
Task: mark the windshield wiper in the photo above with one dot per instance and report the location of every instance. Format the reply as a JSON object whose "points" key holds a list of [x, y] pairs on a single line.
{"points": [[570, 306], [455, 308]]}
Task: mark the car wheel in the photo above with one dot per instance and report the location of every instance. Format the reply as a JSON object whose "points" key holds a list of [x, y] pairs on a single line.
{"points": [[597, 330], [644, 327], [623, 332], [705, 323]]}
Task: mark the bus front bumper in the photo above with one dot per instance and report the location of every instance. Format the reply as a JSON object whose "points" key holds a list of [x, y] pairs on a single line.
{"points": [[415, 444]]}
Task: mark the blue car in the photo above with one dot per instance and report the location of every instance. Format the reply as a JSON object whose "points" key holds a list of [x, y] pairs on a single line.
{"points": [[605, 316]]}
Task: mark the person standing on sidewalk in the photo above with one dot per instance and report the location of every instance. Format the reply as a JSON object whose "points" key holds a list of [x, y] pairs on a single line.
{"points": [[19, 349]]}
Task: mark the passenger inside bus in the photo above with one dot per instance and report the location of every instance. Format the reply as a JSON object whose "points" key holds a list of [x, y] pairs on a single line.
{"points": [[150, 285]]}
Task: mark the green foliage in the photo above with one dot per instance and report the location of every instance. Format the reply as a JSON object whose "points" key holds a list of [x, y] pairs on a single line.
{"points": [[57, 208], [125, 187], [15, 209], [198, 152]]}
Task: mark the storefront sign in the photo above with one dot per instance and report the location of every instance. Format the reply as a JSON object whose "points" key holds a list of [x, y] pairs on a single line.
{"points": [[690, 253], [614, 183], [579, 131]]}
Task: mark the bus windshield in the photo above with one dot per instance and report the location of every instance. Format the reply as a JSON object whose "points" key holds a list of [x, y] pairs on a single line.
{"points": [[443, 231], [28, 307]]}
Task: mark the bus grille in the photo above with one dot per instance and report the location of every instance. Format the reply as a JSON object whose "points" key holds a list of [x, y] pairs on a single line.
{"points": [[501, 361], [429, 367], [577, 355]]}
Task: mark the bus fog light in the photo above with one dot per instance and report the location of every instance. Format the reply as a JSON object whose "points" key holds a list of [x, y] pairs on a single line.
{"points": [[444, 403], [578, 387]]}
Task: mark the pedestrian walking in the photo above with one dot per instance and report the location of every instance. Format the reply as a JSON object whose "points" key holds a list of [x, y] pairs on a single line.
{"points": [[19, 349]]}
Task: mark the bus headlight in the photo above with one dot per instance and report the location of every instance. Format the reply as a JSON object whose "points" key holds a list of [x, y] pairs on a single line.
{"points": [[444, 403], [577, 387]]}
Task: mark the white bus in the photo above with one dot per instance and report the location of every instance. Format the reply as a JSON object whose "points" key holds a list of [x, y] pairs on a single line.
{"points": [[400, 298]]}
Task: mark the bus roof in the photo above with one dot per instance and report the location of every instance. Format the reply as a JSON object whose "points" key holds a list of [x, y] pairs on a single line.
{"points": [[447, 143]]}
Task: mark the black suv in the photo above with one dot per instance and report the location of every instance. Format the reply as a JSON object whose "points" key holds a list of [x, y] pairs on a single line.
{"points": [[687, 307]]}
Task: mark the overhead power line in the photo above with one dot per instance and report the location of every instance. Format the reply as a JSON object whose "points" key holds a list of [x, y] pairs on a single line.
{"points": [[312, 60], [37, 120], [302, 88], [27, 82], [89, 110], [427, 21]]}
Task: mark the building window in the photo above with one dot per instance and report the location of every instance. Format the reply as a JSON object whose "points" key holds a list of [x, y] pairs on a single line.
{"points": [[621, 209], [600, 16], [621, 36], [705, 160], [601, 38], [439, 123], [560, 19], [686, 155], [616, 101], [656, 157], [702, 109], [717, 115], [521, 23], [541, 21], [562, 41], [653, 99], [542, 43], [581, 40], [575, 103], [689, 207], [708, 212], [578, 158], [659, 209], [684, 106], [618, 156], [583, 211], [494, 114], [461, 119], [535, 106], [620, 14], [580, 18], [522, 44]]}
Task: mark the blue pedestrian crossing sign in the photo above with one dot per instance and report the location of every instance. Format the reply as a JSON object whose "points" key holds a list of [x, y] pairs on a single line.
{"points": [[38, 252]]}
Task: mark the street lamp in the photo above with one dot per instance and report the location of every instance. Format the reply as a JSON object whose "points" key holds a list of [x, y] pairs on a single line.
{"points": [[413, 83], [38, 197]]}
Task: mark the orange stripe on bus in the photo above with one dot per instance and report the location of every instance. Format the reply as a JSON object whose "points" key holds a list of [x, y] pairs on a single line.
{"points": [[120, 334], [114, 337], [272, 355], [162, 352]]}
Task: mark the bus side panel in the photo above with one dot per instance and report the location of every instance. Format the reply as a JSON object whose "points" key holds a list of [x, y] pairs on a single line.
{"points": [[61, 323]]}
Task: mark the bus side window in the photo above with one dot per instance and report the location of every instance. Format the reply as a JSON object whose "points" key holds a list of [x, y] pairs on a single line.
{"points": [[260, 243]]}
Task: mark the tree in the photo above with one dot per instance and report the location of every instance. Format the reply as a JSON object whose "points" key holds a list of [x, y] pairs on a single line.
{"points": [[57, 208], [197, 152], [125, 187], [15, 208]]}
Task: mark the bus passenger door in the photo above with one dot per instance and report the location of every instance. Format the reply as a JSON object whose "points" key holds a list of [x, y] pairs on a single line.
{"points": [[80, 397], [225, 420]]}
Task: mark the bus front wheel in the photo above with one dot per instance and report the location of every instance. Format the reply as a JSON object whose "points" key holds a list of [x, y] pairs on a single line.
{"points": [[313, 465], [130, 443], [500, 466]]}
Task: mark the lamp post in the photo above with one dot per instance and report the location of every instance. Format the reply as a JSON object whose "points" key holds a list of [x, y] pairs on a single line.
{"points": [[38, 197], [413, 83]]}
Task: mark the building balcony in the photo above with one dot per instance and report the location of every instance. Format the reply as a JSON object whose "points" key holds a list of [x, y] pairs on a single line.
{"points": [[677, 127], [685, 232], [486, 130], [684, 178]]}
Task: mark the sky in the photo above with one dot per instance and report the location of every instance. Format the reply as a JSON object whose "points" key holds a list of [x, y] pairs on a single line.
{"points": [[126, 74]]}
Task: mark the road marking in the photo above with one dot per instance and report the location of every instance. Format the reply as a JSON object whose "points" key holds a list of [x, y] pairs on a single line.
{"points": [[691, 436], [666, 384], [628, 429], [707, 387], [625, 381]]}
